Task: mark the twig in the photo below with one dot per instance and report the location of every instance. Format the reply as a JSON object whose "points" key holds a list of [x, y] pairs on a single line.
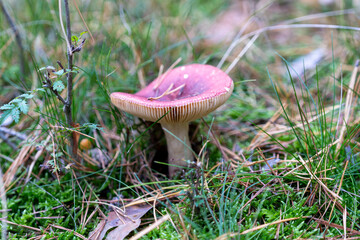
{"points": [[60, 65], [48, 84], [67, 108], [67, 102], [13, 133], [69, 75], [18, 41]]}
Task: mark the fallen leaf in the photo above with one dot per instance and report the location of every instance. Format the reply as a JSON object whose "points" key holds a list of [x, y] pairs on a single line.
{"points": [[122, 231], [122, 220]]}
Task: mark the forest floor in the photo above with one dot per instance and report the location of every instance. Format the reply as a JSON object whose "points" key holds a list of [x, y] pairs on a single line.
{"points": [[279, 160]]}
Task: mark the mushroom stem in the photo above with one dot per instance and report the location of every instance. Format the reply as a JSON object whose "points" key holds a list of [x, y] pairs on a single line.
{"points": [[179, 152]]}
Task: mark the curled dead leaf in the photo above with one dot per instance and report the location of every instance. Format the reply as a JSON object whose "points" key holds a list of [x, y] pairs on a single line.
{"points": [[122, 221]]}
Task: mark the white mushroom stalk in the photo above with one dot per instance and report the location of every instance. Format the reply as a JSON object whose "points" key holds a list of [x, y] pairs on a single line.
{"points": [[178, 146]]}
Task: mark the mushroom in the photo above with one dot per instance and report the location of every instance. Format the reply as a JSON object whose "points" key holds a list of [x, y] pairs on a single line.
{"points": [[175, 98]]}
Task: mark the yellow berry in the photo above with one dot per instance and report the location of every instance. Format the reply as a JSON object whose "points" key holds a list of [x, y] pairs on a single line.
{"points": [[85, 144]]}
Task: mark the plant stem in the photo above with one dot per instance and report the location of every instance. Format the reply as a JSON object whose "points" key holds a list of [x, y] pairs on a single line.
{"points": [[68, 102]]}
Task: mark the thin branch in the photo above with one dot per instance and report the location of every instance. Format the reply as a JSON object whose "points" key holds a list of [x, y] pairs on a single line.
{"points": [[67, 106], [60, 65], [71, 49], [48, 84], [70, 65], [13, 133], [61, 99]]}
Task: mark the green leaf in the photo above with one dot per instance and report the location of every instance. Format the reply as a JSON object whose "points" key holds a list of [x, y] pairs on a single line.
{"points": [[83, 33], [16, 100], [24, 108], [7, 106], [4, 116], [75, 70], [39, 90], [58, 86], [26, 95], [15, 114], [93, 126], [74, 38], [60, 72], [47, 68]]}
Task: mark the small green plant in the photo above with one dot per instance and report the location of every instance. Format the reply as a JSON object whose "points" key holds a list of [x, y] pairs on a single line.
{"points": [[53, 79], [17, 106]]}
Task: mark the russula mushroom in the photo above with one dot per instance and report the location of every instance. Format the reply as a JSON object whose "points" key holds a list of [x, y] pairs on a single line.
{"points": [[177, 97]]}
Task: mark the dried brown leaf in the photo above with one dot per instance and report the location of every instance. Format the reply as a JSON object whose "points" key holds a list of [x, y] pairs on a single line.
{"points": [[123, 223]]}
